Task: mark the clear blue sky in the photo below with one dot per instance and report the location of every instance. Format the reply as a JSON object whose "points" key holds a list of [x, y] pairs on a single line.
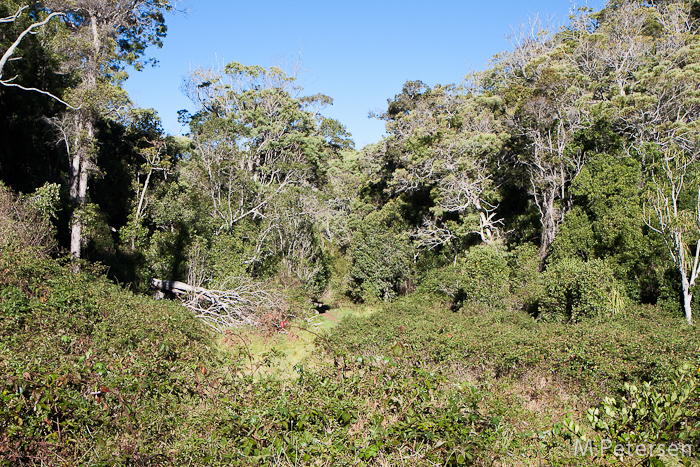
{"points": [[357, 52]]}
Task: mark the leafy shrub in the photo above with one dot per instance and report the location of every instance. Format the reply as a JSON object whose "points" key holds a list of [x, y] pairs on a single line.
{"points": [[574, 289], [526, 280], [381, 256], [480, 278], [87, 365], [648, 416], [25, 221], [485, 276]]}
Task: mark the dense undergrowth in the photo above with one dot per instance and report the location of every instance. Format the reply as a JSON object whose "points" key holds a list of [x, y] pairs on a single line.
{"points": [[95, 375]]}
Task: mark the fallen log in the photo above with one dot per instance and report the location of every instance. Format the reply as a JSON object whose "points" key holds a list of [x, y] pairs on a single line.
{"points": [[180, 288]]}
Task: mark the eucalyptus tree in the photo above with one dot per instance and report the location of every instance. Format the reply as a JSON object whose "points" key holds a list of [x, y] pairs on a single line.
{"points": [[260, 153], [674, 220], [665, 122], [100, 39], [642, 65], [549, 101], [446, 143]]}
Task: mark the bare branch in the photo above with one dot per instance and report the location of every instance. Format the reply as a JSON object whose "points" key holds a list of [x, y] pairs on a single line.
{"points": [[246, 304], [11, 50], [14, 85]]}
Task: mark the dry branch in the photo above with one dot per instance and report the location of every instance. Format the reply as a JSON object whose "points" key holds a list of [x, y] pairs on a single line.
{"points": [[248, 303]]}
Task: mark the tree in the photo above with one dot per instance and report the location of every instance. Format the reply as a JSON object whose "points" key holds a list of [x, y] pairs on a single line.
{"points": [[641, 63], [445, 143], [260, 153], [680, 228], [550, 104], [102, 37], [659, 110]]}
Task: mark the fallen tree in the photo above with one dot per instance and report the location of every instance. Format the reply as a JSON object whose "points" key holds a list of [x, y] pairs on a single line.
{"points": [[247, 303]]}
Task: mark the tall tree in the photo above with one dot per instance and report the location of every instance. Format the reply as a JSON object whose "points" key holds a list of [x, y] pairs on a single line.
{"points": [[102, 37], [446, 142], [260, 157], [550, 103], [679, 227]]}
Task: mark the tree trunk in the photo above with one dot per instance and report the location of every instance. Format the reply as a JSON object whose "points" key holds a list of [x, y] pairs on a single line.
{"points": [[78, 189], [687, 298], [80, 164], [76, 202], [549, 227]]}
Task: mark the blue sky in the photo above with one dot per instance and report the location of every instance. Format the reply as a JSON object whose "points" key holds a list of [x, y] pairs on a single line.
{"points": [[359, 53]]}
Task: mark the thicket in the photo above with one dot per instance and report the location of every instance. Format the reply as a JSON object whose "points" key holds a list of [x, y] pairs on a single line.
{"points": [[95, 374], [548, 147], [540, 218]]}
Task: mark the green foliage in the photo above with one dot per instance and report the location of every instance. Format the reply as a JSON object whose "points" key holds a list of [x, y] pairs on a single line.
{"points": [[650, 416], [87, 360], [110, 378], [479, 279], [25, 221], [381, 255], [227, 258], [97, 375], [606, 223], [527, 283], [576, 289], [484, 272]]}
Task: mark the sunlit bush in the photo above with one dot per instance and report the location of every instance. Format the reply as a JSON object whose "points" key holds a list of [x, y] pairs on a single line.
{"points": [[25, 221], [574, 289]]}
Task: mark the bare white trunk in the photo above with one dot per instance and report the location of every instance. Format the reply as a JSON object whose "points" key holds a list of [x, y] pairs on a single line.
{"points": [[78, 196], [549, 218], [141, 198], [80, 164], [76, 203], [687, 298]]}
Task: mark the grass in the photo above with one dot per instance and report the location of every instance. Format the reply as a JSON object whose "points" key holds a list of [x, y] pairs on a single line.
{"points": [[279, 354]]}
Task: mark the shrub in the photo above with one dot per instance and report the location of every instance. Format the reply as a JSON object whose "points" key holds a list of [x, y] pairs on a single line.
{"points": [[480, 277], [574, 289], [526, 280], [649, 416], [25, 221], [484, 272], [381, 256]]}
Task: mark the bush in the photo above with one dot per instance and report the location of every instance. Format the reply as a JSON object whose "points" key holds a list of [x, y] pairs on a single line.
{"points": [[25, 221], [651, 416], [381, 256], [526, 281], [574, 289], [480, 278]]}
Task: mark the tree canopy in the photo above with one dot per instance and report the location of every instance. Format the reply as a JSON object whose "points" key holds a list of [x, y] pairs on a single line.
{"points": [[581, 142]]}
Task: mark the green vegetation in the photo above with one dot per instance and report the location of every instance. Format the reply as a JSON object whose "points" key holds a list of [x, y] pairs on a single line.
{"points": [[508, 278], [100, 376]]}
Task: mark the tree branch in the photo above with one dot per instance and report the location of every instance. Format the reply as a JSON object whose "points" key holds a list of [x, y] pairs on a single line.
{"points": [[11, 50]]}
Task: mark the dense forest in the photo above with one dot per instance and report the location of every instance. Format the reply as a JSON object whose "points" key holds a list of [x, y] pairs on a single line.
{"points": [[517, 258]]}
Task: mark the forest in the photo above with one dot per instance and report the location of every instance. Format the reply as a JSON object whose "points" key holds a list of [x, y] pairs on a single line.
{"points": [[507, 278]]}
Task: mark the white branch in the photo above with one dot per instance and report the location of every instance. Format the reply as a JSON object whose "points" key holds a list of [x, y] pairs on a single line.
{"points": [[11, 50]]}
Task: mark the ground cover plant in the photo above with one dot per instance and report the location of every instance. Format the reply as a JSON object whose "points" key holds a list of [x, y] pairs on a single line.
{"points": [[94, 374]]}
